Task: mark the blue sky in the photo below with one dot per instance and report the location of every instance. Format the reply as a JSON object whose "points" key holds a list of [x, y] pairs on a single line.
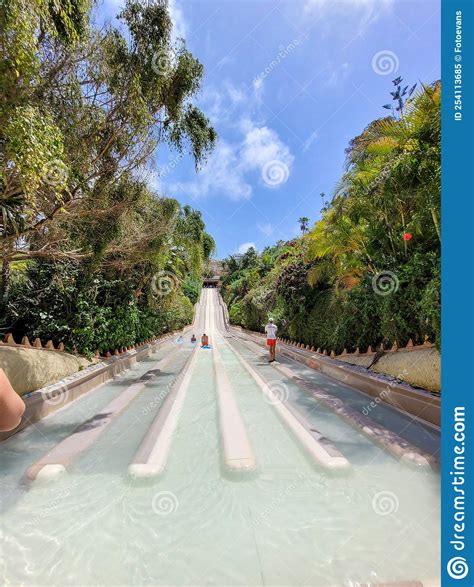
{"points": [[287, 85]]}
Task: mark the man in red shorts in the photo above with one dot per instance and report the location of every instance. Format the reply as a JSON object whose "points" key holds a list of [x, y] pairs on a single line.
{"points": [[271, 330]]}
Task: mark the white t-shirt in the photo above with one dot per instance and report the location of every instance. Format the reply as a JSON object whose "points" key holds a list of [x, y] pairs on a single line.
{"points": [[271, 329]]}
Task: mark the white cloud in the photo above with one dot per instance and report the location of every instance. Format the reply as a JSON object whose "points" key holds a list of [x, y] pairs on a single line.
{"points": [[232, 166], [221, 104], [244, 247], [266, 229], [258, 87], [221, 175], [359, 15], [262, 145], [180, 27]]}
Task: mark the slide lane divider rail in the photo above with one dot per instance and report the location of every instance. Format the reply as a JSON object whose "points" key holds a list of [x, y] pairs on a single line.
{"points": [[390, 441], [319, 448], [238, 452], [54, 463], [421, 405], [152, 455]]}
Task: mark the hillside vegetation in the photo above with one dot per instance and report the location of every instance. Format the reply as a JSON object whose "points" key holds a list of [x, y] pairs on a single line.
{"points": [[90, 256], [368, 272]]}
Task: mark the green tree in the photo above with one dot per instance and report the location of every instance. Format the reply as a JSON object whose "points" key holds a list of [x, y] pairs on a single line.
{"points": [[82, 110], [303, 221], [383, 219]]}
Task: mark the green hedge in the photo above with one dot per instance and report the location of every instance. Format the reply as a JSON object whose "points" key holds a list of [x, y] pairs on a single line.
{"points": [[88, 312], [335, 319]]}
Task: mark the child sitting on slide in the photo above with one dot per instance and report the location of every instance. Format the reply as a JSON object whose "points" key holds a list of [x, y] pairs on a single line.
{"points": [[205, 341]]}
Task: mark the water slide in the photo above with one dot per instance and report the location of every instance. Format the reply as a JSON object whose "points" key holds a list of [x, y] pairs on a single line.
{"points": [[152, 455], [238, 453], [389, 440], [320, 449], [221, 412], [56, 460]]}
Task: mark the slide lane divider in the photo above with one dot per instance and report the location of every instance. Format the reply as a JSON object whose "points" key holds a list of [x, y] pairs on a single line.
{"points": [[319, 448], [54, 463], [152, 455], [238, 452], [390, 441]]}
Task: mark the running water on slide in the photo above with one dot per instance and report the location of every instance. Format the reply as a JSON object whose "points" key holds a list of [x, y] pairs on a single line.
{"points": [[216, 472]]}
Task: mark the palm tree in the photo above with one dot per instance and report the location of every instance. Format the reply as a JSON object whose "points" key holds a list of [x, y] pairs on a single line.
{"points": [[304, 221]]}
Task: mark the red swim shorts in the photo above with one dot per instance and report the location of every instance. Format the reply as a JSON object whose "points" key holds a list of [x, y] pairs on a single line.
{"points": [[271, 341]]}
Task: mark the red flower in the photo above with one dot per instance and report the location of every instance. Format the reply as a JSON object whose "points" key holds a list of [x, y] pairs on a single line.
{"points": [[407, 236]]}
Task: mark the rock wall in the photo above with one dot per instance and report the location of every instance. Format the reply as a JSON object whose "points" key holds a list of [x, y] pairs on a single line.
{"points": [[419, 367], [31, 369]]}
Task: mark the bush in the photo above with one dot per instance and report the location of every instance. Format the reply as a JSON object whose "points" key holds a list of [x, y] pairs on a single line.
{"points": [[334, 319], [192, 289], [62, 303]]}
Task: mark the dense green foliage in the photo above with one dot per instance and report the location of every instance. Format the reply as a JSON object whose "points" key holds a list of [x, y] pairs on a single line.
{"points": [[90, 256], [368, 271]]}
